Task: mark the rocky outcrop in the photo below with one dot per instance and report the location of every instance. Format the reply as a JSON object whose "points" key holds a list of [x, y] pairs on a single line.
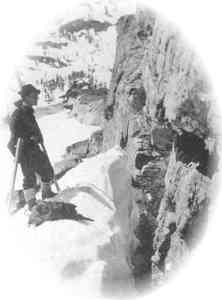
{"points": [[85, 148], [158, 110], [88, 109], [46, 211], [182, 214], [70, 28]]}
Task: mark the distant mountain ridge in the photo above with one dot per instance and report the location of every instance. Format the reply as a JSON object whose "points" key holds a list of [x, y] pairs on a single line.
{"points": [[77, 51], [80, 24]]}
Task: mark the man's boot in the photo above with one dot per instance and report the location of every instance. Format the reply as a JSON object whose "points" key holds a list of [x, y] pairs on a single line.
{"points": [[47, 191], [30, 198]]}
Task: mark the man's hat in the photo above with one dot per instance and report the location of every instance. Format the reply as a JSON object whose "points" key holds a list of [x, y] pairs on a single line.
{"points": [[28, 89]]}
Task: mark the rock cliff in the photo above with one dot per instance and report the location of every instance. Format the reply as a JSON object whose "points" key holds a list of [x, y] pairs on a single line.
{"points": [[159, 110]]}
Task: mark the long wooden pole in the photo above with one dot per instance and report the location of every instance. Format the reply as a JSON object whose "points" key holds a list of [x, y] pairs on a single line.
{"points": [[16, 159]]}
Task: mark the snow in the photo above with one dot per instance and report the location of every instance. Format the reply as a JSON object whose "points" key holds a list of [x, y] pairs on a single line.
{"points": [[97, 9], [93, 255], [83, 55], [72, 254], [60, 130], [74, 257], [90, 52]]}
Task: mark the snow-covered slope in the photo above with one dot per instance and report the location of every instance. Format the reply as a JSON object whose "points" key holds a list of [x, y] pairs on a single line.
{"points": [[76, 255], [60, 131], [97, 255], [76, 51], [80, 47]]}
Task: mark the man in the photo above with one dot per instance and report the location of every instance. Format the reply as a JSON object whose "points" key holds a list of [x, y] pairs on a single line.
{"points": [[32, 157]]}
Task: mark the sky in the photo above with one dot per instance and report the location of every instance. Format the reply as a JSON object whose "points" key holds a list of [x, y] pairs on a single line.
{"points": [[21, 22]]}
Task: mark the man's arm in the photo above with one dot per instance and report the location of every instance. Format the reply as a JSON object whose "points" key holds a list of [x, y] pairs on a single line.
{"points": [[15, 125]]}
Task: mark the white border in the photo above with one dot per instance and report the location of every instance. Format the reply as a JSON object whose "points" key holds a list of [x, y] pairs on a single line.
{"points": [[201, 22]]}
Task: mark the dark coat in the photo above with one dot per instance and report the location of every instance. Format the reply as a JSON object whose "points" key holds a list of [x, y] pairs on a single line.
{"points": [[24, 125]]}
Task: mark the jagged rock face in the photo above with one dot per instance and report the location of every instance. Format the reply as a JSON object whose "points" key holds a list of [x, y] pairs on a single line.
{"points": [[158, 95], [88, 109], [182, 213], [95, 143], [85, 148]]}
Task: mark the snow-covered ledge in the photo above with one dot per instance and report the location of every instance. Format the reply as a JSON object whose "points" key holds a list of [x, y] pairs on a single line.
{"points": [[97, 255]]}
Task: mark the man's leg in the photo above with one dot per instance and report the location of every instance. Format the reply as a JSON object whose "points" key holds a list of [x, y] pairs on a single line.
{"points": [[46, 173], [29, 180]]}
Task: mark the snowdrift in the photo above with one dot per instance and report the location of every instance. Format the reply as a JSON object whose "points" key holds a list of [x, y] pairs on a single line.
{"points": [[60, 130], [96, 255]]}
